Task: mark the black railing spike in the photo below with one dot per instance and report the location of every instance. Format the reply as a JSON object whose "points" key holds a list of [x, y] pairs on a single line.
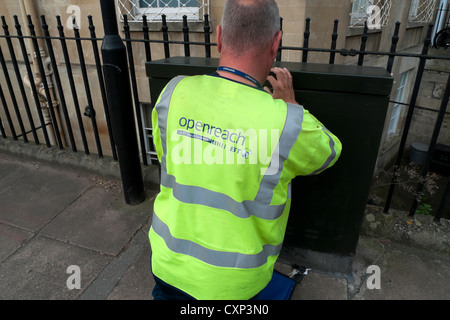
{"points": [[364, 38], [59, 25], [306, 35], [165, 36], [207, 30], [126, 26], [91, 26], [187, 50], [393, 49], [279, 53], [44, 23], [334, 37], [145, 29]]}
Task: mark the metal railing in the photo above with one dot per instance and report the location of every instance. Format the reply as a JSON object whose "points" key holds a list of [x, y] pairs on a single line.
{"points": [[43, 94], [93, 112]]}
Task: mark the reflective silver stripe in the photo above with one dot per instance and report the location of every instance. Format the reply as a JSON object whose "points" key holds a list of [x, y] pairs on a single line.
{"points": [[212, 199], [290, 133], [213, 257], [162, 108], [332, 155]]}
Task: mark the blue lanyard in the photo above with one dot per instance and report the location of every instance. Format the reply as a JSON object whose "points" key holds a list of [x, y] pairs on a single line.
{"points": [[241, 74]]}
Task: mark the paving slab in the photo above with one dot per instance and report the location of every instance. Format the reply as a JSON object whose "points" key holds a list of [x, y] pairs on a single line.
{"points": [[11, 173], [137, 283], [108, 279], [320, 286], [11, 239], [38, 271], [38, 196], [406, 272], [96, 220]]}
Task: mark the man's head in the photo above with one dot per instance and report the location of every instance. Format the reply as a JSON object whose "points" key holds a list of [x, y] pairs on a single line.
{"points": [[249, 25]]}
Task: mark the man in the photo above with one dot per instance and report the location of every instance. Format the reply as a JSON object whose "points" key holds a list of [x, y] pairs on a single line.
{"points": [[228, 151]]}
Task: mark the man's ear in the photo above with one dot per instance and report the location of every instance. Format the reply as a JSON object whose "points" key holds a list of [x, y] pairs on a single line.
{"points": [[219, 38], [276, 44]]}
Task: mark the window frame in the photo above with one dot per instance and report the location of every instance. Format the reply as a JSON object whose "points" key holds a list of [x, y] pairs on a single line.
{"points": [[172, 13], [399, 97]]}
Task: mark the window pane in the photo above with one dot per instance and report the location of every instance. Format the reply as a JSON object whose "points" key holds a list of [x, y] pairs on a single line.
{"points": [[168, 3], [190, 3], [173, 9], [360, 6], [400, 97], [148, 3], [414, 9], [394, 119]]}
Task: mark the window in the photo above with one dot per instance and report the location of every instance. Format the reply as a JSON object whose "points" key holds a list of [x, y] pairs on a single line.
{"points": [[422, 10], [399, 97], [414, 9], [375, 12], [174, 10], [359, 11]]}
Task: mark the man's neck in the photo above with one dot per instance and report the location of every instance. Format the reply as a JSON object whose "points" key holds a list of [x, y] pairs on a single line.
{"points": [[248, 64]]}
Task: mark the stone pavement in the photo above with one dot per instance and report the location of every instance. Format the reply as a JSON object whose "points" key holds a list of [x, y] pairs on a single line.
{"points": [[58, 221]]}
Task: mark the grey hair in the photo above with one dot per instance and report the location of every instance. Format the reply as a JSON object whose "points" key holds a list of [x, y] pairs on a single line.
{"points": [[249, 24]]}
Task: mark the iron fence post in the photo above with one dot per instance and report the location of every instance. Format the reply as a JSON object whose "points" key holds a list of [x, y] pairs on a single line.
{"points": [[432, 147], [120, 104], [412, 105]]}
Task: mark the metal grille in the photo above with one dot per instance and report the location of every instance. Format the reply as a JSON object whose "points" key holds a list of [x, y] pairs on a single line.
{"points": [[154, 9], [422, 10], [374, 12]]}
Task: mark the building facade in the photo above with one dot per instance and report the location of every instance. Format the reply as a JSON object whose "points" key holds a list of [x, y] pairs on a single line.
{"points": [[380, 16]]}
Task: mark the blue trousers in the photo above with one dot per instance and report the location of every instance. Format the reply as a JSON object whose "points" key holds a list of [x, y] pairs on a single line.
{"points": [[164, 291]]}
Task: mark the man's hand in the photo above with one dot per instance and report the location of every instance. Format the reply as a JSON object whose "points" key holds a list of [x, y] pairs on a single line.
{"points": [[282, 85]]}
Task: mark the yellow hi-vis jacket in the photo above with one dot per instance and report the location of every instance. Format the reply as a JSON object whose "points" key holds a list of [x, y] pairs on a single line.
{"points": [[228, 153]]}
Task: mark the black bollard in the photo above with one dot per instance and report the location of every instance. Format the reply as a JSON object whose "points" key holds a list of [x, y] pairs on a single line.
{"points": [[120, 104]]}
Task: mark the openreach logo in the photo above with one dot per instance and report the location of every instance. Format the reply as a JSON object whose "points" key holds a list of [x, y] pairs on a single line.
{"points": [[196, 142]]}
